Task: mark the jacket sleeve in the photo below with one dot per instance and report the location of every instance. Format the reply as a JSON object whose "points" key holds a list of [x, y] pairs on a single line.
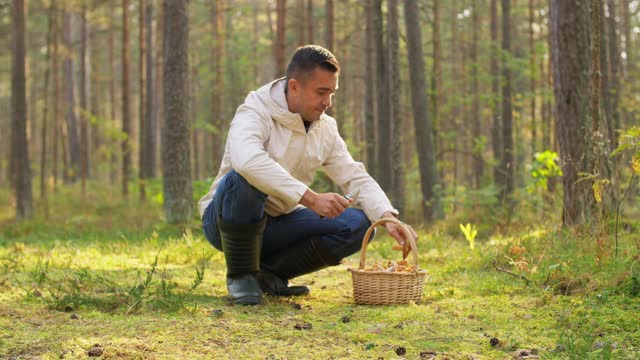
{"points": [[247, 137], [351, 176]]}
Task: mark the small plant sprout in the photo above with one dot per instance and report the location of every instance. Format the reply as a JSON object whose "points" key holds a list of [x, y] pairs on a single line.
{"points": [[470, 231]]}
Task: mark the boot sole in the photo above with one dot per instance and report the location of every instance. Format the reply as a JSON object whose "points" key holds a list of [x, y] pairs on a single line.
{"points": [[247, 300], [283, 294]]}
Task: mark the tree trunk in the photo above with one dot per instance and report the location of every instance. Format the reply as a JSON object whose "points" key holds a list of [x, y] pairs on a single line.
{"points": [[56, 100], [96, 92], [626, 28], [572, 88], [436, 83], [112, 98], [84, 108], [330, 21], [478, 163], [178, 202], [142, 71], [196, 160], [429, 182], [255, 35], [383, 143], [532, 69], [281, 45], [614, 89], [72, 128], [393, 86], [310, 21], [151, 108], [495, 94], [158, 93], [330, 41], [300, 22], [126, 114], [454, 123], [19, 143], [369, 108], [45, 112], [545, 122], [602, 125], [218, 100], [507, 179]]}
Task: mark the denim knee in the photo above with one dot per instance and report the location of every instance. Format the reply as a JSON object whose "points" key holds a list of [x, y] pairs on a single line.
{"points": [[239, 202], [357, 226], [210, 227]]}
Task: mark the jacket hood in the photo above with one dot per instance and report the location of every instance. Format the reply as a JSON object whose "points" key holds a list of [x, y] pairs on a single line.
{"points": [[271, 99]]}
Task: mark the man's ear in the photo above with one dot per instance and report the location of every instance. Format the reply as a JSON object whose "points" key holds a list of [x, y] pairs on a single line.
{"points": [[293, 85]]}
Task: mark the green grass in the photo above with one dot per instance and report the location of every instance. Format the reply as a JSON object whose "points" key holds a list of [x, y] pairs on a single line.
{"points": [[102, 271]]}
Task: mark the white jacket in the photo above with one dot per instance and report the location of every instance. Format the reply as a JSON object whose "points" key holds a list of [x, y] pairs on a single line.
{"points": [[269, 147]]}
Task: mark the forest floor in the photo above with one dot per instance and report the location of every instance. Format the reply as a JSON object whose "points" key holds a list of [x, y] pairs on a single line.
{"points": [[100, 277]]}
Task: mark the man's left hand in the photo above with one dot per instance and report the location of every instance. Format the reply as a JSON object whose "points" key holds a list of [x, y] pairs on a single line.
{"points": [[396, 232]]}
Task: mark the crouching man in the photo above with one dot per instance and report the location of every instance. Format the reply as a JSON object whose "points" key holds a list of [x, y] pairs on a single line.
{"points": [[260, 210]]}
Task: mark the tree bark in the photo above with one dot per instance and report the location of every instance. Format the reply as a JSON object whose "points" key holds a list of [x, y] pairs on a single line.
{"points": [[218, 100], [614, 89], [383, 143], [126, 114], [158, 93], [151, 111], [73, 141], [19, 142], [175, 147], [45, 112], [330, 21], [142, 97], [495, 94], [84, 108], [571, 69], [602, 121], [300, 22], [429, 181], [281, 46], [56, 100], [369, 108], [394, 89], [506, 165], [436, 83], [112, 98], [478, 163], [330, 41], [310, 21], [532, 69]]}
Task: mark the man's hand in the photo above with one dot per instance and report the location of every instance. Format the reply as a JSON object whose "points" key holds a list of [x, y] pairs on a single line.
{"points": [[396, 232], [327, 204]]}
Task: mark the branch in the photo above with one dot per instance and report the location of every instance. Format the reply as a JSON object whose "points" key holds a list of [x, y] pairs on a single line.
{"points": [[495, 264]]}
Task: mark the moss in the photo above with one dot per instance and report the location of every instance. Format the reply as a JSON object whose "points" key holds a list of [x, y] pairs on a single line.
{"points": [[573, 307]]}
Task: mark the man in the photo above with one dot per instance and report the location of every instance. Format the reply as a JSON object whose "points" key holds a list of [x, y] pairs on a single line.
{"points": [[260, 211]]}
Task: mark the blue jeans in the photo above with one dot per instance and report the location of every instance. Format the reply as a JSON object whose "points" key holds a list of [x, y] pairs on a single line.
{"points": [[238, 202]]}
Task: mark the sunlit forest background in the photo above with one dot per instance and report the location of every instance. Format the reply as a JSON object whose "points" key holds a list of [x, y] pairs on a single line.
{"points": [[505, 132], [452, 106]]}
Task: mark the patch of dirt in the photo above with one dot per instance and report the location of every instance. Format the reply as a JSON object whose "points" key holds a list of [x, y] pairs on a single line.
{"points": [[303, 326], [96, 351]]}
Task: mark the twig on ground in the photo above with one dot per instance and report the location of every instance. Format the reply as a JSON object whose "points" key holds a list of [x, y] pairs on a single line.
{"points": [[526, 279], [32, 322], [448, 339]]}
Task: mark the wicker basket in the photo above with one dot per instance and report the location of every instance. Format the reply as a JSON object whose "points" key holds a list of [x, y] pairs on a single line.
{"points": [[385, 288]]}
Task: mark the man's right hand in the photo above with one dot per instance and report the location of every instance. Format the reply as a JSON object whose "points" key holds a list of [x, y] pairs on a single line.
{"points": [[327, 204]]}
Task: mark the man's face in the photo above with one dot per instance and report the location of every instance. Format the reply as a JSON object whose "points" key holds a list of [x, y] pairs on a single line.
{"points": [[311, 95]]}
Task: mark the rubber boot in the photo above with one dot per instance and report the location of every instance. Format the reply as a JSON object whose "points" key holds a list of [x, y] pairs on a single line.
{"points": [[241, 245], [303, 258]]}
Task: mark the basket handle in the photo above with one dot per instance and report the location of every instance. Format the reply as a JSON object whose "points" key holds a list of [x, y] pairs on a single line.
{"points": [[407, 233]]}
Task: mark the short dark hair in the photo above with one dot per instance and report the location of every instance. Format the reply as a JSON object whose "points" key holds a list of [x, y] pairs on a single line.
{"points": [[306, 58]]}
